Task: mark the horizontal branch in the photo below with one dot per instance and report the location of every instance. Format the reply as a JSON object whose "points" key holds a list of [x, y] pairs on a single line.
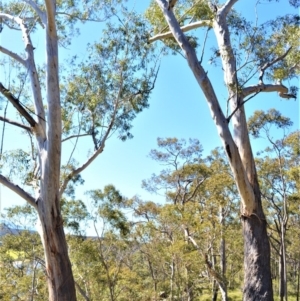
{"points": [[279, 88], [16, 103], [74, 136], [18, 190], [18, 124], [80, 19], [184, 28]]}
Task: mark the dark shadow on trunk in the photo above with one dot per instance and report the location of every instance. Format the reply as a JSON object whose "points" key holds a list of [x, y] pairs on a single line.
{"points": [[257, 281]]}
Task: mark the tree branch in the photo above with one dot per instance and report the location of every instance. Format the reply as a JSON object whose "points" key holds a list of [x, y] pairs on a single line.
{"points": [[16, 103], [90, 160], [39, 12], [19, 191], [225, 9], [281, 89], [82, 292], [29, 63], [74, 136], [184, 28], [24, 127], [80, 19], [13, 55], [269, 64]]}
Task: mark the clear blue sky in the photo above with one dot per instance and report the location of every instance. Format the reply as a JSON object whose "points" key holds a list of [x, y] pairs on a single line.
{"points": [[177, 109]]}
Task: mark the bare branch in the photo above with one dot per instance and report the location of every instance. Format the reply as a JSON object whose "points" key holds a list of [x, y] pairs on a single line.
{"points": [[40, 13], [281, 89], [227, 7], [82, 292], [19, 191], [30, 64], [74, 136], [13, 55], [24, 127], [269, 64], [184, 28], [80, 19], [204, 44], [16, 103], [90, 160]]}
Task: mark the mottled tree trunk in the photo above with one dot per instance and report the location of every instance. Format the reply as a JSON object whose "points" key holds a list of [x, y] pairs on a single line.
{"points": [[61, 285], [257, 278]]}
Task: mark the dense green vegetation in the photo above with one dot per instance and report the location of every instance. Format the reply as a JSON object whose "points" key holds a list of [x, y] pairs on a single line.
{"points": [[177, 250]]}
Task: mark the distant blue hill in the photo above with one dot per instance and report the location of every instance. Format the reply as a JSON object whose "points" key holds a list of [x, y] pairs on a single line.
{"points": [[7, 227]]}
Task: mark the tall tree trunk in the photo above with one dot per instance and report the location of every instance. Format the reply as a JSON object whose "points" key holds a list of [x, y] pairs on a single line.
{"points": [[298, 282], [257, 279], [282, 266], [61, 285], [223, 254], [172, 266], [214, 296]]}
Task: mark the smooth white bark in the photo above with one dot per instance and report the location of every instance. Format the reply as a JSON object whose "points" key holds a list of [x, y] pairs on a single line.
{"points": [[185, 28], [233, 152]]}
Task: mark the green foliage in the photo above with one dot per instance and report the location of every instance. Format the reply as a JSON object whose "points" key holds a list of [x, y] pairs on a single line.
{"points": [[74, 214], [261, 121], [22, 267], [113, 84], [109, 204]]}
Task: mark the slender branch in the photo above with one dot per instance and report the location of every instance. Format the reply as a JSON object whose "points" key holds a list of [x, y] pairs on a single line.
{"points": [[74, 136], [204, 44], [184, 28], [30, 65], [16, 103], [269, 64], [82, 292], [195, 190], [80, 19], [13, 55], [90, 160], [40, 13], [24, 127], [18, 190], [240, 105]]}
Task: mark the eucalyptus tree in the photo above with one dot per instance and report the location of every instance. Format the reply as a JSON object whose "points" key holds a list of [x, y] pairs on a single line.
{"points": [[247, 52], [86, 101], [276, 169], [203, 197]]}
